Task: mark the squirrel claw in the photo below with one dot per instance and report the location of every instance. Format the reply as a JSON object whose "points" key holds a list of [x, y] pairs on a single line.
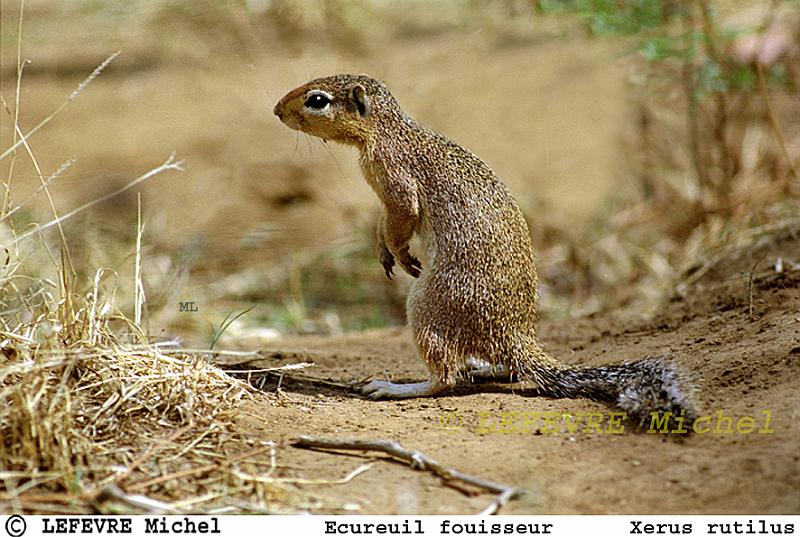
{"points": [[411, 265], [387, 260], [413, 270]]}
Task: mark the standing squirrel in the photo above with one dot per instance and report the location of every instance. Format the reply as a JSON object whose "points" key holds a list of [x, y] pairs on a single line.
{"points": [[475, 303]]}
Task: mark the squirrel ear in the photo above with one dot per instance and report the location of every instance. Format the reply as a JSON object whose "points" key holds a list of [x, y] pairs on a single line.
{"points": [[359, 96]]}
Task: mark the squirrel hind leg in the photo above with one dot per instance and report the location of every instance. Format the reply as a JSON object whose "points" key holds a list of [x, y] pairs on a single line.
{"points": [[383, 389], [440, 379], [443, 366]]}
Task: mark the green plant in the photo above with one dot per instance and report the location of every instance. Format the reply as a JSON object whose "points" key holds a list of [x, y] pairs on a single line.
{"points": [[614, 16], [229, 319]]}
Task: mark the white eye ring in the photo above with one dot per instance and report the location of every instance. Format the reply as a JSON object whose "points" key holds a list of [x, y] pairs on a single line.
{"points": [[318, 100]]}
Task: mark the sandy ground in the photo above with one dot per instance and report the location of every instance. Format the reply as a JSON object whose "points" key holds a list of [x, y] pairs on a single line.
{"points": [[741, 365]]}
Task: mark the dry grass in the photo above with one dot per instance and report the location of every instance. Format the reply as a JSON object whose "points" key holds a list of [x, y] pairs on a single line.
{"points": [[94, 415]]}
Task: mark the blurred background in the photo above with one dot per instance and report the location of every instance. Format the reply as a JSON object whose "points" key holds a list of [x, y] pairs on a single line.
{"points": [[649, 143]]}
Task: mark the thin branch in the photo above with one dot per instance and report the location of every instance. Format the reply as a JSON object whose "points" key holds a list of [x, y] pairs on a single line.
{"points": [[216, 353], [300, 481], [279, 369], [138, 286], [498, 503], [689, 87], [416, 460], [774, 123], [721, 100], [64, 248], [298, 377], [20, 66], [113, 493], [170, 164], [53, 176], [71, 98]]}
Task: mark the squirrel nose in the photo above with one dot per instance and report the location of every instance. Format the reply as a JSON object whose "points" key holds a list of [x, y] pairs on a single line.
{"points": [[277, 111]]}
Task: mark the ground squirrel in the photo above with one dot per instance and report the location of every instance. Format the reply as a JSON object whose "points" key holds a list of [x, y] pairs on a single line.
{"points": [[475, 301]]}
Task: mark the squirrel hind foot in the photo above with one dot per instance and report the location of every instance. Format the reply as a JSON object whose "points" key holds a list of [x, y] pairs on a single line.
{"points": [[382, 389]]}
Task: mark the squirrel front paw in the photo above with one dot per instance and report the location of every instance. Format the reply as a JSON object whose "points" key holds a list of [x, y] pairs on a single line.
{"points": [[410, 263], [387, 260]]}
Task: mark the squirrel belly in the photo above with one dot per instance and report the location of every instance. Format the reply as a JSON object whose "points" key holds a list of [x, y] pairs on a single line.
{"points": [[476, 296]]}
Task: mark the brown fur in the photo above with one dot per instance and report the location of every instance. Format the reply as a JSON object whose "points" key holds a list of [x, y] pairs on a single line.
{"points": [[476, 295]]}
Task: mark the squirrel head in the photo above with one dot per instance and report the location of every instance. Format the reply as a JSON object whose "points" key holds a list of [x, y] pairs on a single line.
{"points": [[342, 108]]}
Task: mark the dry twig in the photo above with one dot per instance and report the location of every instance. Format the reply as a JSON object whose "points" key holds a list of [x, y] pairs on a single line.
{"points": [[114, 493], [417, 460], [74, 95], [169, 164]]}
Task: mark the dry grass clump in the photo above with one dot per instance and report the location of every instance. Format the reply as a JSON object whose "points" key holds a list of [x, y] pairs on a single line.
{"points": [[87, 401], [95, 416], [78, 406]]}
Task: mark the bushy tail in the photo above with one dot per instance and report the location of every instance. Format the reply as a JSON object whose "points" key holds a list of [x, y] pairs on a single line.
{"points": [[640, 388]]}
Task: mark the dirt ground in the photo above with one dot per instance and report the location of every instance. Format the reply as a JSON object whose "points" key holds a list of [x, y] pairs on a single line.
{"points": [[550, 111], [742, 365]]}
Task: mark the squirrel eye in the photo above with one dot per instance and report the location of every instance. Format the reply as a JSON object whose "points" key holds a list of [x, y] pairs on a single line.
{"points": [[317, 101]]}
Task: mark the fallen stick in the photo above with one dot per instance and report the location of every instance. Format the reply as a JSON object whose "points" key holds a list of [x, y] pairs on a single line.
{"points": [[112, 493], [301, 377], [417, 460]]}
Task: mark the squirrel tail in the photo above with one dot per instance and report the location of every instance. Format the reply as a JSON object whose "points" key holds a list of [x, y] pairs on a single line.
{"points": [[640, 388]]}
